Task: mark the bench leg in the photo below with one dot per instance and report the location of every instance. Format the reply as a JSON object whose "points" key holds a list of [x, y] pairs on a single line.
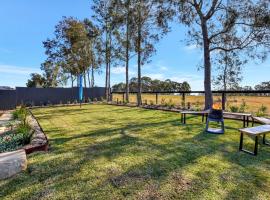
{"points": [[241, 141], [244, 121], [264, 140], [255, 152]]}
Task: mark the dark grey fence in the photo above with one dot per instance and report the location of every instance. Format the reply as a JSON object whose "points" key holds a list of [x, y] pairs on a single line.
{"points": [[44, 96], [7, 99]]}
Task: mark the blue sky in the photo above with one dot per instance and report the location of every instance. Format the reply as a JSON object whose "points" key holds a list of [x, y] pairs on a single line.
{"points": [[26, 23]]}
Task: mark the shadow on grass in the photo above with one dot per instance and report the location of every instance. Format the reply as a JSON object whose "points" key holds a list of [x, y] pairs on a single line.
{"points": [[61, 170]]}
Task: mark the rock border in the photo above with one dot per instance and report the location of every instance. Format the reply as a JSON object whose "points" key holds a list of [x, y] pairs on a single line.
{"points": [[39, 141]]}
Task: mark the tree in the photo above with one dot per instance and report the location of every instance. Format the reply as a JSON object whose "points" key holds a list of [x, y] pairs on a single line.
{"points": [[218, 26], [36, 80], [125, 28], [229, 66], [69, 52], [96, 57], [150, 24], [149, 85], [104, 16]]}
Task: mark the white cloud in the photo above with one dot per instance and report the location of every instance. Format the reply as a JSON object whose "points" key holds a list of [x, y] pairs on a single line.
{"points": [[191, 47], [155, 76], [121, 70], [11, 69], [118, 70], [195, 81]]}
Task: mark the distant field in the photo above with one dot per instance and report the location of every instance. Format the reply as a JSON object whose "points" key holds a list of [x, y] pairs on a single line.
{"points": [[253, 102]]}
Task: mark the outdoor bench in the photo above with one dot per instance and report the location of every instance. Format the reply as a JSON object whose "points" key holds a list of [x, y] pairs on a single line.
{"points": [[245, 117], [254, 132], [261, 120]]}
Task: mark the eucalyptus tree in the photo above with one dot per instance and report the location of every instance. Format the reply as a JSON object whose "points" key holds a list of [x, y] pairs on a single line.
{"points": [[218, 26], [150, 20], [104, 16], [229, 69], [93, 34], [69, 52]]}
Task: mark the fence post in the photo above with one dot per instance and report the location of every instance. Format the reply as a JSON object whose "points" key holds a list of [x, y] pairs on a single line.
{"points": [[156, 98], [123, 97], [223, 101], [183, 100]]}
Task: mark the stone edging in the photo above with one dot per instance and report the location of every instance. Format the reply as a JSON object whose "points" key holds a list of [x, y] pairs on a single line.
{"points": [[39, 141]]}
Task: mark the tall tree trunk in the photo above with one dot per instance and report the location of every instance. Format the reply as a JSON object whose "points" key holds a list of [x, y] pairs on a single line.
{"points": [[139, 94], [72, 81], [88, 76], [107, 63], [127, 53], [207, 67], [109, 68], [92, 77], [84, 78]]}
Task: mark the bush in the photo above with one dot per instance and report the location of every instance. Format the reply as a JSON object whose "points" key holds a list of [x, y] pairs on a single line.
{"points": [[163, 101], [15, 139], [20, 114], [262, 111], [243, 107], [234, 108], [151, 102]]}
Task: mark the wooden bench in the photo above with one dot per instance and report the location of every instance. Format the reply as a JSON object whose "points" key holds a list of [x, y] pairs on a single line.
{"points": [[245, 117], [254, 132], [261, 120], [204, 114]]}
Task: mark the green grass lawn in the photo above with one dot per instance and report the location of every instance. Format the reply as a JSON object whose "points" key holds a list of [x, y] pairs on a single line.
{"points": [[110, 152]]}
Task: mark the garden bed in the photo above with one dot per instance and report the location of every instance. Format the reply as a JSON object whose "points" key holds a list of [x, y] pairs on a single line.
{"points": [[23, 132]]}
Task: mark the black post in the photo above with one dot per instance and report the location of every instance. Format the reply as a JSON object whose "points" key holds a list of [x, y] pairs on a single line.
{"points": [[156, 98], [183, 100], [123, 97], [223, 101]]}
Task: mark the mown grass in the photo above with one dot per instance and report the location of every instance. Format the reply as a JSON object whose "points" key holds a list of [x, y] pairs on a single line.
{"points": [[197, 102], [111, 152]]}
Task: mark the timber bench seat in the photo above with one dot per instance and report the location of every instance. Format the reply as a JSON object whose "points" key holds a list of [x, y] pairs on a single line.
{"points": [[203, 113], [245, 117], [261, 120], [254, 132]]}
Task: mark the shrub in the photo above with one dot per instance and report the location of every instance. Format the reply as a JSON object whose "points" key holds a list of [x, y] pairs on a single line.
{"points": [[234, 108], [95, 99], [171, 104], [20, 114], [163, 101], [243, 107], [262, 111], [151, 102]]}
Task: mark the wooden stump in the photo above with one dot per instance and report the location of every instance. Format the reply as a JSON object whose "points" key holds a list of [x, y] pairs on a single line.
{"points": [[12, 163]]}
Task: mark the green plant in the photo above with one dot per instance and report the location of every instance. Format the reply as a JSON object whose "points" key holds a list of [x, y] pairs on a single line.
{"points": [[234, 108], [20, 114], [163, 101], [262, 111], [151, 102], [25, 131], [171, 104], [243, 107], [75, 101], [95, 99]]}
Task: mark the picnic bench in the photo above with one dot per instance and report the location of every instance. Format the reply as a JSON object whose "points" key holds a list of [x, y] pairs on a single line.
{"points": [[261, 120], [245, 117], [204, 114], [254, 132]]}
